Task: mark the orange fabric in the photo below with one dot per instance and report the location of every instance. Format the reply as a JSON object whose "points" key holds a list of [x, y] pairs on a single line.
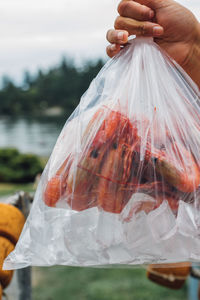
{"points": [[5, 248], [11, 222]]}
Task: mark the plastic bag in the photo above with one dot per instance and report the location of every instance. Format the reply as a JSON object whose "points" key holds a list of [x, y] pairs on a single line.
{"points": [[122, 183]]}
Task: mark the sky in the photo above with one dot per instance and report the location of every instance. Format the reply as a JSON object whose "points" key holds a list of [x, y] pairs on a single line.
{"points": [[36, 34]]}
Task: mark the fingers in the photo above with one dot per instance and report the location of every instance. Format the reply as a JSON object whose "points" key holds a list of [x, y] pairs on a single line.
{"points": [[112, 50], [134, 10], [124, 28], [117, 36], [135, 19], [138, 28]]}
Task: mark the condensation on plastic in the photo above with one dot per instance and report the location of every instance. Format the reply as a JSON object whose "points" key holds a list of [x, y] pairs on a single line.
{"points": [[122, 184]]}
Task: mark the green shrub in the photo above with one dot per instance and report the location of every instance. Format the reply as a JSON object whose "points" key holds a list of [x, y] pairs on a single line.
{"points": [[18, 168]]}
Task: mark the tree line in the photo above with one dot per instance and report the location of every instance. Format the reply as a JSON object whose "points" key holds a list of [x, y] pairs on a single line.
{"points": [[62, 86]]}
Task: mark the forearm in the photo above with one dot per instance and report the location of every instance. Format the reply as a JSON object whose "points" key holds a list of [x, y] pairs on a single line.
{"points": [[193, 63]]}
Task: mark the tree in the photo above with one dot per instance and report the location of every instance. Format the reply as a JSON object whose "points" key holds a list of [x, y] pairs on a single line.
{"points": [[62, 86]]}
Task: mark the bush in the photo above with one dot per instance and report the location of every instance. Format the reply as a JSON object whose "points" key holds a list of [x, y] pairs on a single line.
{"points": [[18, 168]]}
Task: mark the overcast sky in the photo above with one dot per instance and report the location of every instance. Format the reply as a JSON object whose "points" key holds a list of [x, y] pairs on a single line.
{"points": [[37, 33]]}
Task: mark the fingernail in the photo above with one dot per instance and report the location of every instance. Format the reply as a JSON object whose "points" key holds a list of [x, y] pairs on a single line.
{"points": [[113, 47], [120, 36], [157, 30], [151, 14]]}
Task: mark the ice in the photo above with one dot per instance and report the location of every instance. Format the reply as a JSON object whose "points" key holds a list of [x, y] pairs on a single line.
{"points": [[118, 254], [136, 231], [162, 222], [138, 202], [176, 248], [87, 218], [187, 226], [187, 219], [51, 241], [53, 220], [80, 236], [62, 203], [109, 230], [137, 234], [195, 253]]}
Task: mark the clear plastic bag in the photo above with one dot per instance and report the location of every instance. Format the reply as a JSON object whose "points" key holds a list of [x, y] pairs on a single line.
{"points": [[122, 183]]}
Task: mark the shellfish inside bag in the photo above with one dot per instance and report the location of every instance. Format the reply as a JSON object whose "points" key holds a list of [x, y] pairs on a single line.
{"points": [[122, 183]]}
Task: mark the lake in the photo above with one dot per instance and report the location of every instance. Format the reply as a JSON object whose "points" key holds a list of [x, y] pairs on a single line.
{"points": [[30, 135]]}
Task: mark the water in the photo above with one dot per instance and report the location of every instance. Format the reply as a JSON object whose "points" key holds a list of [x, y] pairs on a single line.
{"points": [[29, 135]]}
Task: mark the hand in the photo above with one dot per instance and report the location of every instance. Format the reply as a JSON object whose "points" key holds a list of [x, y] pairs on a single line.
{"points": [[173, 27]]}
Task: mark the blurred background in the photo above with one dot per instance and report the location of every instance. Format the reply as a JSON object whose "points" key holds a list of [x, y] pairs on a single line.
{"points": [[50, 52]]}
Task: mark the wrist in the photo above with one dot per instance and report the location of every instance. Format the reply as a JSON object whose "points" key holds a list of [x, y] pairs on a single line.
{"points": [[192, 66]]}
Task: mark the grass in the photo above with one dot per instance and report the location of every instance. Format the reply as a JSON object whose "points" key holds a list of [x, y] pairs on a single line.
{"points": [[100, 284], [10, 188]]}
